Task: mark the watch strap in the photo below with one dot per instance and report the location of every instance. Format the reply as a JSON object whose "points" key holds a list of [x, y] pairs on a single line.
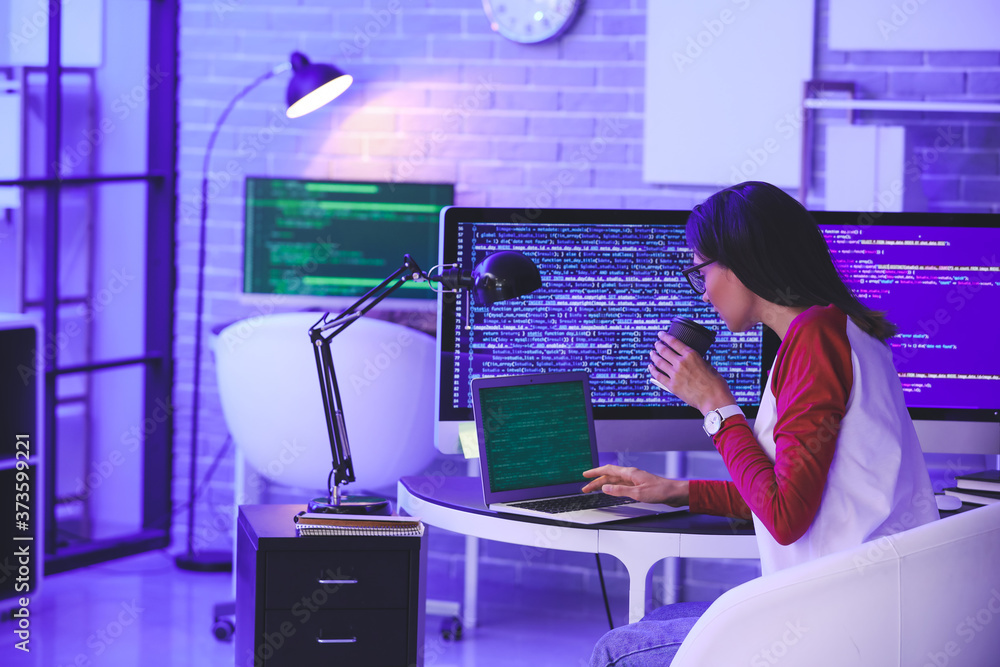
{"points": [[727, 411]]}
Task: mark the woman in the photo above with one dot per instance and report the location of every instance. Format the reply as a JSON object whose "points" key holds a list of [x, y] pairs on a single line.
{"points": [[833, 459]]}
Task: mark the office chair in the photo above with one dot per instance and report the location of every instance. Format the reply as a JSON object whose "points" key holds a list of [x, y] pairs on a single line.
{"points": [[928, 595]]}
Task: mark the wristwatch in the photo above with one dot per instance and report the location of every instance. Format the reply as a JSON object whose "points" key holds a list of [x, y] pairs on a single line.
{"points": [[715, 418]]}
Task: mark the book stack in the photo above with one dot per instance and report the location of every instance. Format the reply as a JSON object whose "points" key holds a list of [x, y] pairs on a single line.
{"points": [[307, 523], [978, 488]]}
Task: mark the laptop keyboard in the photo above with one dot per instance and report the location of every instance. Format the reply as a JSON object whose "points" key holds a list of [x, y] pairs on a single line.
{"points": [[586, 501]]}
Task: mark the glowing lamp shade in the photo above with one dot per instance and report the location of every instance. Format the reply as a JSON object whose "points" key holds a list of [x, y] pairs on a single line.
{"points": [[313, 85]]}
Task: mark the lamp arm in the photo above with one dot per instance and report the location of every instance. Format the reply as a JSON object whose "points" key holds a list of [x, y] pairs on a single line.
{"points": [[409, 270], [342, 467], [452, 277], [321, 334]]}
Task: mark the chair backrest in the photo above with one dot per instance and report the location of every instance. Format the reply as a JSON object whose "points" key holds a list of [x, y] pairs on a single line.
{"points": [[925, 596], [270, 395]]}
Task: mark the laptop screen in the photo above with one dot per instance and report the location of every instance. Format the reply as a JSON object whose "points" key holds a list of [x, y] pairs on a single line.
{"points": [[535, 434]]}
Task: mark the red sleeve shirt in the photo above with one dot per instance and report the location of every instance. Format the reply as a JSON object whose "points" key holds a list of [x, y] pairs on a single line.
{"points": [[811, 382]]}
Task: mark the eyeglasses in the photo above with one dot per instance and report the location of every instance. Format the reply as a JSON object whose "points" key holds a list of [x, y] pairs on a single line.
{"points": [[694, 277]]}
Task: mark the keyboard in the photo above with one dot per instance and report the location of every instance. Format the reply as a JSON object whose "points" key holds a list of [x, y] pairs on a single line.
{"points": [[587, 501]]}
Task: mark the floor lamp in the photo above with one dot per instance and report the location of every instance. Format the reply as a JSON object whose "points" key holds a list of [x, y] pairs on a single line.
{"points": [[312, 85]]}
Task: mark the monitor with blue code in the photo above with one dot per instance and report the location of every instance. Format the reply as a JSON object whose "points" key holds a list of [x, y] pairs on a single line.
{"points": [[610, 281]]}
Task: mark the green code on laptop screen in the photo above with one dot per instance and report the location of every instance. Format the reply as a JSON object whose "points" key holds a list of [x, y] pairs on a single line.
{"points": [[535, 435]]}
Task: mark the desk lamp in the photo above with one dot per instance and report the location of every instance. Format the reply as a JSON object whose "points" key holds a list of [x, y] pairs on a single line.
{"points": [[503, 275], [312, 85]]}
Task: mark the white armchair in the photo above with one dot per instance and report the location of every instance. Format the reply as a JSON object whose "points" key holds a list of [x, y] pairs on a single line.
{"points": [[271, 399], [925, 596]]}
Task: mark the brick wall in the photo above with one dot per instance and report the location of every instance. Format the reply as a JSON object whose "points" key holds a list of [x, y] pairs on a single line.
{"points": [[439, 98]]}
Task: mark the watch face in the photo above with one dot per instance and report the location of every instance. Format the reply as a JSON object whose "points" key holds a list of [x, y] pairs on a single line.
{"points": [[530, 21], [713, 421]]}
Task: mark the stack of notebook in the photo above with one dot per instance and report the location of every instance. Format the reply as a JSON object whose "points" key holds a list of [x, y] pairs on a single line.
{"points": [[978, 488], [356, 524]]}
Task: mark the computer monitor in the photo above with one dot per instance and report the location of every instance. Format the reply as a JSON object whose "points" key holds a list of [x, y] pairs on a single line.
{"points": [[937, 277], [325, 243], [611, 280]]}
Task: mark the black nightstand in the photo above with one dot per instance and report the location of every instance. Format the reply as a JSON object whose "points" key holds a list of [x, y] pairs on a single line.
{"points": [[325, 599]]}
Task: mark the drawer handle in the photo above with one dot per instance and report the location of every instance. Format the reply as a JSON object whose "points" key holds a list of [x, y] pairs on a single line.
{"points": [[349, 640], [337, 581]]}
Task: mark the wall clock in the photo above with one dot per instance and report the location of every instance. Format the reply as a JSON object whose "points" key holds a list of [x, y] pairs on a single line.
{"points": [[531, 21]]}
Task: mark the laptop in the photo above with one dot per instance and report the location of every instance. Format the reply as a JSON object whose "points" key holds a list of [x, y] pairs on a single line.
{"points": [[536, 437]]}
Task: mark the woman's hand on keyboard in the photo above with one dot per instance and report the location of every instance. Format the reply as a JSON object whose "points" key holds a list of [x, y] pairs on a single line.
{"points": [[638, 484]]}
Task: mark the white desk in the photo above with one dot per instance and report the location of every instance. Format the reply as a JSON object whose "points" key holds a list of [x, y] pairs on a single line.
{"points": [[456, 504]]}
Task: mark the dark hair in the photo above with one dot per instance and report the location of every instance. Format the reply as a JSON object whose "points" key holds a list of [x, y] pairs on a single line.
{"points": [[774, 246]]}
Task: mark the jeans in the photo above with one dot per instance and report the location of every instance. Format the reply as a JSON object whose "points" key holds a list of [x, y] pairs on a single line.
{"points": [[652, 642]]}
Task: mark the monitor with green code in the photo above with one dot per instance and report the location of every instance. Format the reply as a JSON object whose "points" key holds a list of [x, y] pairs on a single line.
{"points": [[307, 238]]}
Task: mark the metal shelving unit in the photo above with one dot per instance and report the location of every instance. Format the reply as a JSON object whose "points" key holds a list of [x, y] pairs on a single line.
{"points": [[45, 193]]}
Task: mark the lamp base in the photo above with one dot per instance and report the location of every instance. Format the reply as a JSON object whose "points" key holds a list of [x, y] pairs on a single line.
{"points": [[351, 505]]}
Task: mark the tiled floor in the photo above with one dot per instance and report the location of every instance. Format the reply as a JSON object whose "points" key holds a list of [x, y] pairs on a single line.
{"points": [[144, 611]]}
